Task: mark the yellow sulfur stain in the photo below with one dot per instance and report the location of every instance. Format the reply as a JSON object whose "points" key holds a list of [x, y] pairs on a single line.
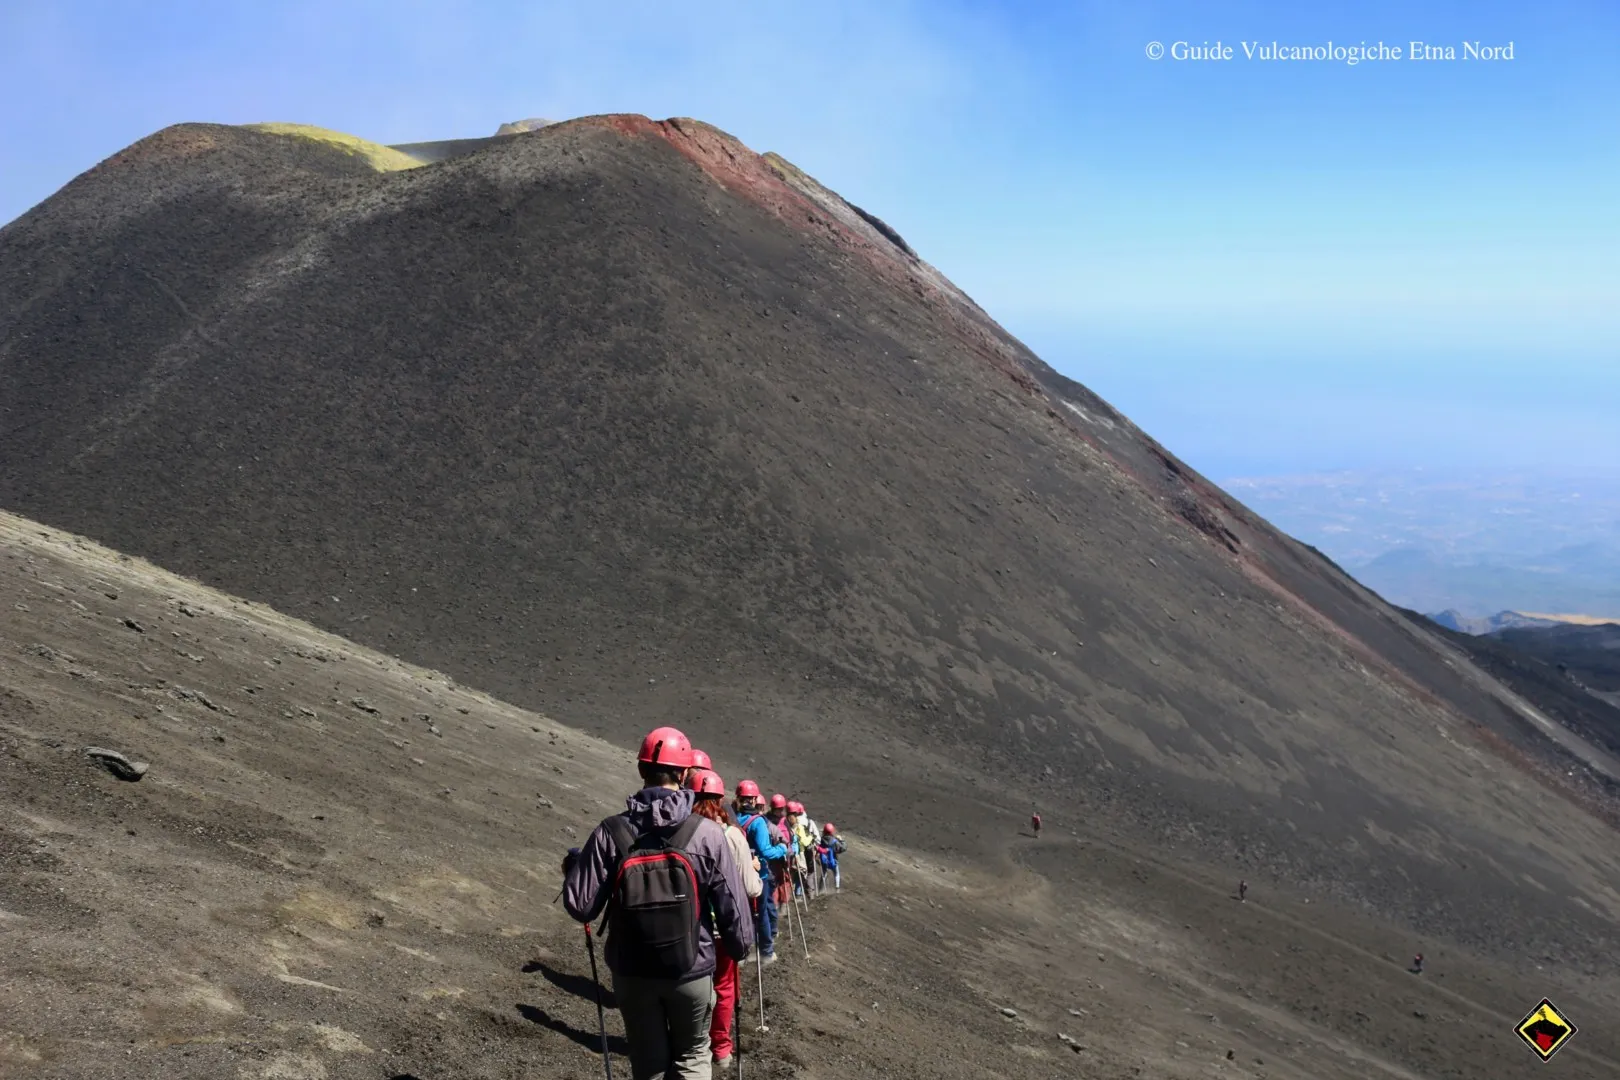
{"points": [[379, 157]]}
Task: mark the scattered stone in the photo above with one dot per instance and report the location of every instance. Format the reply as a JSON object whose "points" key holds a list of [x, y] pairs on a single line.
{"points": [[188, 612], [1077, 1012], [544, 801], [1230, 1054], [1011, 1013], [133, 625], [376, 918], [307, 712], [417, 761], [117, 764], [1064, 1037], [462, 711], [363, 705], [433, 729], [317, 817]]}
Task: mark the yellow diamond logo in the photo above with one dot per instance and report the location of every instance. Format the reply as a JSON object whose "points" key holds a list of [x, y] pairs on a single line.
{"points": [[1545, 1030]]}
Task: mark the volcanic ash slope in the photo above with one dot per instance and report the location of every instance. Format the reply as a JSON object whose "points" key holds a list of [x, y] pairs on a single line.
{"points": [[621, 420]]}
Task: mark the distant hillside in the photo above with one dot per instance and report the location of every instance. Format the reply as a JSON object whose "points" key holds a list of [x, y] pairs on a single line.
{"points": [[429, 153], [1452, 619], [1568, 672], [1588, 654]]}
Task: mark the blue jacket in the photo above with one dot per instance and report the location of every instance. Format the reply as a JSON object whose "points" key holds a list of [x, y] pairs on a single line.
{"points": [[758, 831]]}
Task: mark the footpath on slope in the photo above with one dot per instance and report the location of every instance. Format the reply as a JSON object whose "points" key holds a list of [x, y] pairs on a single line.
{"points": [[337, 865], [342, 866]]}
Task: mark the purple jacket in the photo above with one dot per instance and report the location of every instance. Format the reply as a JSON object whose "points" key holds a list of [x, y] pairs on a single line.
{"points": [[588, 884]]}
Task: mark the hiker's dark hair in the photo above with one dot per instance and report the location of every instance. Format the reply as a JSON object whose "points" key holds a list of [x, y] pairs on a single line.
{"points": [[659, 775]]}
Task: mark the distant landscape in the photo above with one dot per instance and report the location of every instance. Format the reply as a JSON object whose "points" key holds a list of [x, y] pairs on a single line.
{"points": [[1475, 544]]}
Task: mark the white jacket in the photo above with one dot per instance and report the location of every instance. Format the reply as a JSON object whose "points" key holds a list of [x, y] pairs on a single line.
{"points": [[745, 862]]}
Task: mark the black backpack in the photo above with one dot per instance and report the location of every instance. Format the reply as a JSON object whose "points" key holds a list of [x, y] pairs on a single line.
{"points": [[655, 905]]}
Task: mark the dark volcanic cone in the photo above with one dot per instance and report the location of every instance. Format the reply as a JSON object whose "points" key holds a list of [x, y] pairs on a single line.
{"points": [[623, 420]]}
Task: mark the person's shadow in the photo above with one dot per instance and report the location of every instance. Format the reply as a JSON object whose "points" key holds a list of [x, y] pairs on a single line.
{"points": [[591, 1040], [578, 985]]}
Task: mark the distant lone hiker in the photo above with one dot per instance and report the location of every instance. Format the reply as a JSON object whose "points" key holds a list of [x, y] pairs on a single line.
{"points": [[1243, 892], [1035, 823], [1417, 964]]}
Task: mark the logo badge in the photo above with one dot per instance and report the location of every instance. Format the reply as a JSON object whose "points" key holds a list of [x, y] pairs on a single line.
{"points": [[1545, 1030]]}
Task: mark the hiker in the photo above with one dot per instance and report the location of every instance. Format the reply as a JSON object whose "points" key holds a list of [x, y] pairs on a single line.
{"points": [[711, 793], [1417, 964], [643, 861], [805, 840], [809, 824], [1243, 892], [827, 852], [767, 848], [1035, 823], [781, 869]]}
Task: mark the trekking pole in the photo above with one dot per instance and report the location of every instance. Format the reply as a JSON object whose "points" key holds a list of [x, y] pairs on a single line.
{"points": [[788, 922], [601, 1017], [804, 939], [759, 971]]}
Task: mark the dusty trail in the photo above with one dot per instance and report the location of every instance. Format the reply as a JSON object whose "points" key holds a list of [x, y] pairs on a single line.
{"points": [[316, 883]]}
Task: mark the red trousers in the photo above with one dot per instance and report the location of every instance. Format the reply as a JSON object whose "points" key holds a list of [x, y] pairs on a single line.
{"points": [[725, 1005]]}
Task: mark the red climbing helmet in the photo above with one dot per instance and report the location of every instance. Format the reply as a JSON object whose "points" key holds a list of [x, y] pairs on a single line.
{"points": [[795, 807], [700, 760], [747, 789], [706, 782], [778, 801], [666, 746], [829, 829]]}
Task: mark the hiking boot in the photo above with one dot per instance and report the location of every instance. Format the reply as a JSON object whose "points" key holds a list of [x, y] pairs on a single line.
{"points": [[768, 959]]}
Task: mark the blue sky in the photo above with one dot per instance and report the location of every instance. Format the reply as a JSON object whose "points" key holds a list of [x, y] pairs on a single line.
{"points": [[1273, 267]]}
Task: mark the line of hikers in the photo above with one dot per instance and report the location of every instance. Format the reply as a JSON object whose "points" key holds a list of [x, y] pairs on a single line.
{"points": [[690, 885]]}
